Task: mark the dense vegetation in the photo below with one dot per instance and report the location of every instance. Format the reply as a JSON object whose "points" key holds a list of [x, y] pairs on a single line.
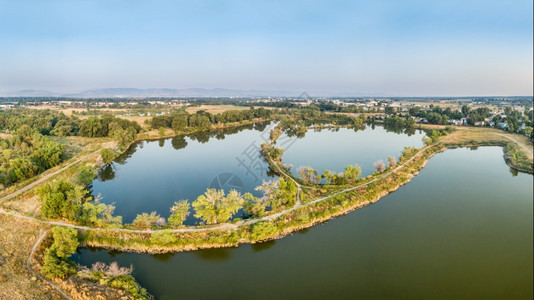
{"points": [[27, 153], [64, 200], [28, 147], [56, 263], [180, 120]]}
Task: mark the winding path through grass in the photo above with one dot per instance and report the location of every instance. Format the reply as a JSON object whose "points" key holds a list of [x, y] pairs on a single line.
{"points": [[225, 226]]}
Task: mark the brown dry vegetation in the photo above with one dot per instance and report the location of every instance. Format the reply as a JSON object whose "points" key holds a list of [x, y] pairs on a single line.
{"points": [[214, 109], [16, 282], [465, 134]]}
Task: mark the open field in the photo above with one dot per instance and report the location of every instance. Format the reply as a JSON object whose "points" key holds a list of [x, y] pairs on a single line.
{"points": [[214, 109], [465, 134], [16, 282]]}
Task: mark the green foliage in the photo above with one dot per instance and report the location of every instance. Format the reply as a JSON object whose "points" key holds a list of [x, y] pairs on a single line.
{"points": [[179, 123], [253, 205], [108, 155], [128, 283], [213, 207], [352, 173], [261, 230], [161, 131], [85, 176], [398, 122], [26, 156], [408, 152], [179, 212], [99, 215], [109, 126], [276, 195], [61, 199], [164, 238], [273, 152], [65, 241], [55, 261], [308, 175], [145, 220]]}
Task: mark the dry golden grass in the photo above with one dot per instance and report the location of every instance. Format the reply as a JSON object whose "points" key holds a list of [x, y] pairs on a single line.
{"points": [[16, 282], [465, 134], [139, 119], [214, 109], [5, 135]]}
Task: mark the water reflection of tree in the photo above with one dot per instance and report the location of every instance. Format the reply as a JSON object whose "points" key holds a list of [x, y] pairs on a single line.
{"points": [[201, 136], [400, 130], [121, 159], [107, 173], [261, 126], [179, 142]]}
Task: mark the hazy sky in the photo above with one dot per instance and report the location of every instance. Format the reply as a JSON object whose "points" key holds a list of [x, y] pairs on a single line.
{"points": [[397, 48]]}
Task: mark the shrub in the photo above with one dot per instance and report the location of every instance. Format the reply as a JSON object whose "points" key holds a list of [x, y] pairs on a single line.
{"points": [[56, 259], [108, 155], [262, 230]]}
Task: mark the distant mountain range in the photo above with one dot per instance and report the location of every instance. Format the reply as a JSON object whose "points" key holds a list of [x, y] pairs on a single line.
{"points": [[160, 92]]}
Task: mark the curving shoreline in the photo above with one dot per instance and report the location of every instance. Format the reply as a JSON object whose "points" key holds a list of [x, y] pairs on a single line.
{"points": [[414, 165]]}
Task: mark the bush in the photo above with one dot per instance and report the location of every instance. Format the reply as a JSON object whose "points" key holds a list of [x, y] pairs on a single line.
{"points": [[262, 230], [56, 259], [108, 155], [165, 237], [86, 176]]}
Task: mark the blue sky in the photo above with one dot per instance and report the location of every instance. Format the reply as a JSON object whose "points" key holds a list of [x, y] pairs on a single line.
{"points": [[396, 48]]}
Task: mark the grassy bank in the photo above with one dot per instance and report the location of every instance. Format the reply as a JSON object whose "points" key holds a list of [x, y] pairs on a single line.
{"points": [[369, 190]]}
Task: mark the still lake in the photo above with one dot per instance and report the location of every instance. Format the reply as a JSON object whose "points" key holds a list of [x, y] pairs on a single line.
{"points": [[152, 175], [462, 229]]}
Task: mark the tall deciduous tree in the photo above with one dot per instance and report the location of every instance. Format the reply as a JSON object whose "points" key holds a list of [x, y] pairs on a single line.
{"points": [[213, 207], [179, 212]]}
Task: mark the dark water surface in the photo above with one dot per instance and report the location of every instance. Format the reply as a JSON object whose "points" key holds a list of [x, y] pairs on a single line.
{"points": [[324, 149], [461, 229], [152, 175]]}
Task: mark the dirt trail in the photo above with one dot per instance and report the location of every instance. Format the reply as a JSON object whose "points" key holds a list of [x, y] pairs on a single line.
{"points": [[43, 179], [528, 150], [225, 226], [42, 235]]}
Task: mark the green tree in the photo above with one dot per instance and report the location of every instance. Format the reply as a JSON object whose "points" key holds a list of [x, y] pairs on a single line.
{"points": [[179, 212], [328, 176], [352, 173], [163, 237], [145, 220], [92, 127], [179, 123], [61, 199], [213, 207], [56, 263], [99, 214], [85, 176], [261, 230], [108, 155]]}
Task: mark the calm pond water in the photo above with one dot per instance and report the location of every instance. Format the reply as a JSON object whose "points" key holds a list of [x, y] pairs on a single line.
{"points": [[151, 175], [461, 229], [323, 149]]}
